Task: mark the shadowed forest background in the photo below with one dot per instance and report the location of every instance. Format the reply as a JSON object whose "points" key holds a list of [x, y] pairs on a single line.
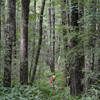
{"points": [[39, 38]]}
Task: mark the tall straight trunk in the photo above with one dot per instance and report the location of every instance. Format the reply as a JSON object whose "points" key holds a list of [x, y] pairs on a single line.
{"points": [[98, 30], [98, 45], [24, 42], [14, 40], [14, 29], [75, 68], [9, 31], [33, 42], [50, 28], [0, 23], [53, 16], [14, 23], [66, 46], [0, 35], [81, 43], [74, 61], [52, 35], [91, 29], [39, 42]]}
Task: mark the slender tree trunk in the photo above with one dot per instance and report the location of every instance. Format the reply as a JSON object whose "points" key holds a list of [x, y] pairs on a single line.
{"points": [[39, 42], [33, 42], [24, 42], [98, 30], [81, 42], [66, 44], [14, 29], [98, 46], [50, 25], [52, 35], [50, 22], [14, 40], [0, 36], [9, 31], [53, 16]]}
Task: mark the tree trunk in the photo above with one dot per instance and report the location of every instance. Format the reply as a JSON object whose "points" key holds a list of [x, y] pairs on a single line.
{"points": [[24, 42], [98, 30], [75, 62], [14, 40], [53, 16], [9, 31], [98, 46], [33, 42], [0, 36], [50, 28], [81, 42], [39, 42], [52, 35]]}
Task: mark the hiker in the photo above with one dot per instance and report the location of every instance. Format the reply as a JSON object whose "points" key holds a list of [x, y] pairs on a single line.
{"points": [[52, 80]]}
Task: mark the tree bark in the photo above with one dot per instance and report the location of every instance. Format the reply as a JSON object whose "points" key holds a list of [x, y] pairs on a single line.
{"points": [[39, 42], [24, 42], [9, 31]]}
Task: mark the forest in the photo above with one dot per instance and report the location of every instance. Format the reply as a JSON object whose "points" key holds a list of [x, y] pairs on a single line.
{"points": [[49, 50]]}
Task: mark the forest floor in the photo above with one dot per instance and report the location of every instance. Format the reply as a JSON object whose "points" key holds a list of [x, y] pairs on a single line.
{"points": [[48, 91], [41, 89]]}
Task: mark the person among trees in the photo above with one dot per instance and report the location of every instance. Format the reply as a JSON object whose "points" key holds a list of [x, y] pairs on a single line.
{"points": [[52, 80]]}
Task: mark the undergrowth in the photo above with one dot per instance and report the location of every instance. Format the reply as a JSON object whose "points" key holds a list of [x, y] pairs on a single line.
{"points": [[41, 90]]}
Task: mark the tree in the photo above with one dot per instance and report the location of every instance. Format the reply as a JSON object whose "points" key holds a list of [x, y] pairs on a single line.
{"points": [[0, 34], [75, 68], [14, 39], [98, 30], [33, 42], [39, 42], [24, 42], [9, 32], [52, 35]]}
